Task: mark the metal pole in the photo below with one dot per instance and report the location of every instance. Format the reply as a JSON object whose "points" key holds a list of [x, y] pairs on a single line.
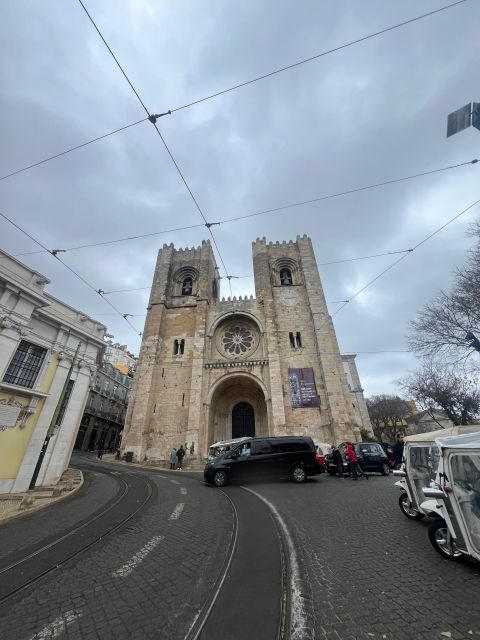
{"points": [[53, 422]]}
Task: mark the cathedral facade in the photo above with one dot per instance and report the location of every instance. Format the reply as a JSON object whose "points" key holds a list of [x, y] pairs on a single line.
{"points": [[210, 369]]}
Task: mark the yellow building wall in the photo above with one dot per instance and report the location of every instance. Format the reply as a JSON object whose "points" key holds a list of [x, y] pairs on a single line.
{"points": [[14, 442]]}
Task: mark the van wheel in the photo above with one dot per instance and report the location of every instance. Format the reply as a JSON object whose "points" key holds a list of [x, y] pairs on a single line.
{"points": [[442, 541], [298, 473], [220, 478], [385, 469], [408, 509]]}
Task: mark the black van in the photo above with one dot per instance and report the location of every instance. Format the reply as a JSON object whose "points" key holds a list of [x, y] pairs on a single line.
{"points": [[285, 457]]}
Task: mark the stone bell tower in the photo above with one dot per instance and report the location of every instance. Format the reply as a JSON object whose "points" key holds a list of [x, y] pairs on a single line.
{"points": [[300, 336], [166, 401]]}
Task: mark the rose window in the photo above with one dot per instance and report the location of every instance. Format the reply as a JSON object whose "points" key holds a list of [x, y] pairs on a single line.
{"points": [[237, 340]]}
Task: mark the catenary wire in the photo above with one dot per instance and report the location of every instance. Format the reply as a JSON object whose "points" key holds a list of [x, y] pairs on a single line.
{"points": [[277, 209], [75, 273], [419, 244], [106, 242], [152, 118], [233, 88], [347, 192], [319, 55]]}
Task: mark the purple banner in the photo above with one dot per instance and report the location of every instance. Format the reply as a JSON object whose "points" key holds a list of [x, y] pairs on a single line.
{"points": [[303, 391]]}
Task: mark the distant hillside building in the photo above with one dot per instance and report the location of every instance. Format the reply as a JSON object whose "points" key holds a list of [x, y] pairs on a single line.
{"points": [[38, 339], [119, 356], [211, 369]]}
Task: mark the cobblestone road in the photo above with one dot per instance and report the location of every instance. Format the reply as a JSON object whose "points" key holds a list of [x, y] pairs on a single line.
{"points": [[146, 581], [369, 572]]}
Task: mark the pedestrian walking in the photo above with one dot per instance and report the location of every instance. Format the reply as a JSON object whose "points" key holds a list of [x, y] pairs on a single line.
{"points": [[338, 461], [180, 455], [355, 468], [100, 454], [398, 451], [173, 458]]}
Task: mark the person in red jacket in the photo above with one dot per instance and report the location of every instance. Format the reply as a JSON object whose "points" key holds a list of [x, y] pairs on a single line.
{"points": [[355, 468]]}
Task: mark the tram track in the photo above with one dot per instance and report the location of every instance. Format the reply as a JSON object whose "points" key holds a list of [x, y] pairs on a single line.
{"points": [[126, 490]]}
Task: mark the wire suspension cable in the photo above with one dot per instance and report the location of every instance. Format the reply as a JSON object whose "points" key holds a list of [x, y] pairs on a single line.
{"points": [[419, 244], [152, 119], [320, 55], [279, 209], [347, 192], [75, 273], [233, 88]]}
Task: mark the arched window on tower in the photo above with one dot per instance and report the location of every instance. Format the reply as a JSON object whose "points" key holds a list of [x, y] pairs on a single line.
{"points": [[187, 286], [285, 277]]}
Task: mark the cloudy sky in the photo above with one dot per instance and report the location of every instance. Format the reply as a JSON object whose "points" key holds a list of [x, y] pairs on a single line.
{"points": [[366, 114]]}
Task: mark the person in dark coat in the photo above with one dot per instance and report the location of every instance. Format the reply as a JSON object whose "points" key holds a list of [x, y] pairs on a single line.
{"points": [[398, 451], [173, 458], [338, 460], [180, 456]]}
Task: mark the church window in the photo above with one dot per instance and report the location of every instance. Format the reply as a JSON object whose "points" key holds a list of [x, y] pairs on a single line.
{"points": [[285, 277], [237, 340], [178, 347], [295, 339], [187, 286]]}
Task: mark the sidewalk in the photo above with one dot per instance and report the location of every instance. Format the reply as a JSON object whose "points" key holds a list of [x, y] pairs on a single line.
{"points": [[13, 505]]}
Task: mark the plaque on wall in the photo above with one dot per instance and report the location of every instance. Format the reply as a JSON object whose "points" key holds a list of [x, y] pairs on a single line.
{"points": [[303, 391], [9, 414]]}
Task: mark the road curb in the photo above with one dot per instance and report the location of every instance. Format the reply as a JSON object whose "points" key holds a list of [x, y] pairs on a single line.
{"points": [[39, 507]]}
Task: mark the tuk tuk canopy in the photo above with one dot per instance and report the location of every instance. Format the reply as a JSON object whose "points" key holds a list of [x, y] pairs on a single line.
{"points": [[432, 436], [464, 441]]}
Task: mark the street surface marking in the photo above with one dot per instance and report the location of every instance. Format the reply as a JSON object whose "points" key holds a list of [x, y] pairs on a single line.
{"points": [[58, 626], [299, 629], [159, 476], [177, 511], [137, 558], [174, 482], [183, 491]]}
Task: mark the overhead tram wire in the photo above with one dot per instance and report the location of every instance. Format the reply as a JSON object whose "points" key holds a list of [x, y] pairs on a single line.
{"points": [[346, 192], [77, 275], [106, 242], [234, 87], [419, 244], [319, 55], [273, 210], [153, 119]]}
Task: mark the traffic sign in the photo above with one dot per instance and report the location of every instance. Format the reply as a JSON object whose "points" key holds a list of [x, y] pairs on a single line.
{"points": [[476, 115], [459, 120]]}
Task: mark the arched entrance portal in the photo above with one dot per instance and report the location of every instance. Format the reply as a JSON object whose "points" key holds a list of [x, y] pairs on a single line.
{"points": [[243, 420], [237, 408]]}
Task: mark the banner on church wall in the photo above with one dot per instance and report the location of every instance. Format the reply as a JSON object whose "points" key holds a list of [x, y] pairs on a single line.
{"points": [[303, 391]]}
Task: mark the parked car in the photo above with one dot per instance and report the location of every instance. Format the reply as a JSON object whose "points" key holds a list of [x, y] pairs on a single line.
{"points": [[371, 457], [291, 457]]}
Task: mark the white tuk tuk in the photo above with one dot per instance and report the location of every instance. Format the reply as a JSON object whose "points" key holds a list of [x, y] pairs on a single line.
{"points": [[455, 496], [419, 469]]}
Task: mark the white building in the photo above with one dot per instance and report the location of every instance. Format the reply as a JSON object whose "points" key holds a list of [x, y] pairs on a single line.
{"points": [[356, 391], [38, 339]]}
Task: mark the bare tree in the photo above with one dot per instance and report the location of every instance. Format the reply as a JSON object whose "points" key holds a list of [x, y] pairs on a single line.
{"points": [[436, 386], [448, 326], [387, 414]]}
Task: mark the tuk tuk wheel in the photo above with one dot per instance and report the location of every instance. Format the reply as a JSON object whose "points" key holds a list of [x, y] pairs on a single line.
{"points": [[408, 509], [441, 540]]}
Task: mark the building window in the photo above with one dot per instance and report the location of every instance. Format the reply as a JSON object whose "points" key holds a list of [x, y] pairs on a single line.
{"points": [[178, 347], [63, 406], [295, 339], [25, 365], [187, 286], [285, 277]]}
